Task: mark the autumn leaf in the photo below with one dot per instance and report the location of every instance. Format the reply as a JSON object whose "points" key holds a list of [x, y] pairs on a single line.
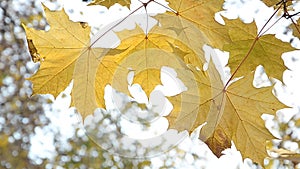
{"points": [[241, 120], [266, 51], [65, 46], [230, 115], [59, 47], [109, 3]]}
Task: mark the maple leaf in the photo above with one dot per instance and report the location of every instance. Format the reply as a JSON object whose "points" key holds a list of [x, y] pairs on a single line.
{"points": [[230, 115], [58, 51], [265, 50], [59, 48], [241, 120], [109, 3]]}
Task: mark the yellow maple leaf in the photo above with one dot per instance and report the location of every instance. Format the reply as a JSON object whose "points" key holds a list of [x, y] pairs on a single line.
{"points": [[265, 51], [109, 3], [65, 46], [59, 48], [241, 120]]}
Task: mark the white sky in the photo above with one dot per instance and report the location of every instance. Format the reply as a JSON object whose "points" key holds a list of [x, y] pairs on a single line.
{"points": [[63, 118]]}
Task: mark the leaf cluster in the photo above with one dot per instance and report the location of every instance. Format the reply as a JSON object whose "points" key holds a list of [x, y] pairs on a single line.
{"points": [[232, 109]]}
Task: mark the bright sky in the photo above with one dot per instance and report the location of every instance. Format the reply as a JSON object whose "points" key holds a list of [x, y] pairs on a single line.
{"points": [[63, 118]]}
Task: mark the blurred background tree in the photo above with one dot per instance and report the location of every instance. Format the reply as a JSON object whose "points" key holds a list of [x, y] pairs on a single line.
{"points": [[19, 113]]}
